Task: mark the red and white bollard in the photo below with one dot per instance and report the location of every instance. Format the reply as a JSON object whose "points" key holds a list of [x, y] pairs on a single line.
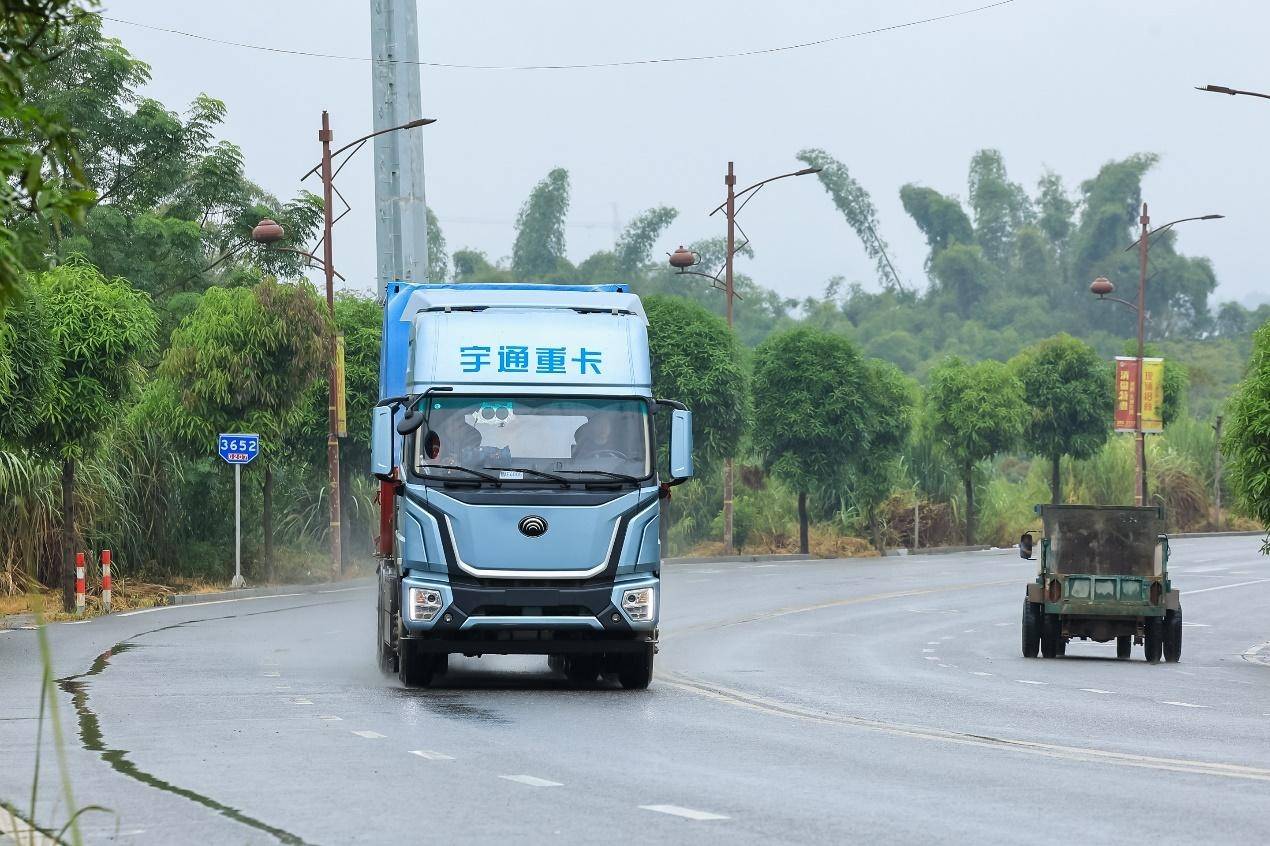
{"points": [[79, 583], [105, 580]]}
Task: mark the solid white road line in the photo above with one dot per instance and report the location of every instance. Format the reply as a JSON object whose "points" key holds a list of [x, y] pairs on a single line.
{"points": [[1184, 704], [531, 781], [235, 599], [686, 813], [432, 756], [1227, 587], [369, 735]]}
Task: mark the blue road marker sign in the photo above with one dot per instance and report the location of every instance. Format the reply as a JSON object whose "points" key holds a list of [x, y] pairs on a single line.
{"points": [[238, 448]]}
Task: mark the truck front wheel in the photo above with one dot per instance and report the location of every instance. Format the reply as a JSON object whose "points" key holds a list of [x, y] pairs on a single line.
{"points": [[1031, 628], [636, 670], [415, 667]]}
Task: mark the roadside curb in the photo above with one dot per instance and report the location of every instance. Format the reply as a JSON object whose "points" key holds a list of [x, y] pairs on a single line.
{"points": [[275, 590], [948, 550], [1184, 535], [737, 559]]}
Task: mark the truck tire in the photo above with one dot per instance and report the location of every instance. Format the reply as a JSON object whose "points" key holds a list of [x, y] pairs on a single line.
{"points": [[1153, 639], [582, 669], [1124, 646], [1173, 636], [1031, 629], [415, 668], [1051, 635], [636, 670]]}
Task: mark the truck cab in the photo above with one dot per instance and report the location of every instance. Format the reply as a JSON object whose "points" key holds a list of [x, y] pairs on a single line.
{"points": [[516, 446], [1103, 576]]}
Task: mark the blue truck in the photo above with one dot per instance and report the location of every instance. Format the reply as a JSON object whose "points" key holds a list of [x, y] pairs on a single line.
{"points": [[520, 490]]}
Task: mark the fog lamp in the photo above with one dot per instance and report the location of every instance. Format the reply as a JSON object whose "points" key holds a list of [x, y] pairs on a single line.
{"points": [[425, 604], [640, 604]]}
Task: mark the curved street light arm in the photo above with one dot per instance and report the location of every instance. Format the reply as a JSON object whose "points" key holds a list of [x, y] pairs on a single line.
{"points": [[314, 261], [411, 125], [804, 172], [1221, 89], [1170, 224], [1118, 300]]}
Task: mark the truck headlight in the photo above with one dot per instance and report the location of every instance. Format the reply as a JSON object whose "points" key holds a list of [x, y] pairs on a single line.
{"points": [[425, 603], [640, 604]]}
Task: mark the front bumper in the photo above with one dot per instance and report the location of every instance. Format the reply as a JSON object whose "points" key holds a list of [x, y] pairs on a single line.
{"points": [[480, 617]]}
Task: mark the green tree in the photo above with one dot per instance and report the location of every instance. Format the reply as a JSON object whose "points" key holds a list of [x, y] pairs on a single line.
{"points": [[975, 411], [41, 172], [941, 219], [856, 206], [887, 423], [1069, 390], [1246, 443], [539, 247], [243, 360], [101, 330], [810, 405], [1001, 207], [636, 241]]}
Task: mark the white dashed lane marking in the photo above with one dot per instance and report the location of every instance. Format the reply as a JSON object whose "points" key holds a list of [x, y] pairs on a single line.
{"points": [[1227, 587], [686, 813], [980, 673], [928, 650], [272, 674], [330, 718], [1029, 681], [931, 657], [432, 756], [1183, 704], [531, 781], [302, 701], [369, 735], [1096, 690]]}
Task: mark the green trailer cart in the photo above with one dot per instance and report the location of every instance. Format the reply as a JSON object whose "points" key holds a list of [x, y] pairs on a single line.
{"points": [[1103, 576]]}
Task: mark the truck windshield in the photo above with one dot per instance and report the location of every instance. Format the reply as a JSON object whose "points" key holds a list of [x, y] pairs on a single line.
{"points": [[523, 438]]}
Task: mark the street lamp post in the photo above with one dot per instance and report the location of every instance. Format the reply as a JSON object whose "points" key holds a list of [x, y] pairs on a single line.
{"points": [[682, 259], [1102, 288], [269, 232]]}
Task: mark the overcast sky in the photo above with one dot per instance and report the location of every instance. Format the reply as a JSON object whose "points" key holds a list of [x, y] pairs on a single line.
{"points": [[1063, 84]]}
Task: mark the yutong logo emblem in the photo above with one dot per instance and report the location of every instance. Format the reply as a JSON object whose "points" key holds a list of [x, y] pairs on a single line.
{"points": [[533, 526]]}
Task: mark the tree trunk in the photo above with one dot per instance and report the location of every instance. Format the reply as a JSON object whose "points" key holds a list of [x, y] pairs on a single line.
{"points": [[968, 479], [268, 522], [875, 531], [1146, 489], [803, 545], [1056, 497], [68, 535]]}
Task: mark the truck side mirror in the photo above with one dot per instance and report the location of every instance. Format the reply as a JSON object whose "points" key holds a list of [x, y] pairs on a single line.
{"points": [[680, 446], [1025, 545], [381, 446], [412, 420]]}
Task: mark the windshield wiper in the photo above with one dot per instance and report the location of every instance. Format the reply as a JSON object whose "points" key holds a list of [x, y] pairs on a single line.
{"points": [[539, 473], [622, 476], [477, 473]]}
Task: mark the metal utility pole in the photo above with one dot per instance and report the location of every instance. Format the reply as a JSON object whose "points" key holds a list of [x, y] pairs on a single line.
{"points": [[682, 259], [1140, 440], [333, 386], [1217, 476], [401, 211]]}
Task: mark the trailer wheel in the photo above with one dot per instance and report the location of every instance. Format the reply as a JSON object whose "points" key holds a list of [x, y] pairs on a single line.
{"points": [[1124, 646], [1031, 629], [1173, 636], [1051, 635], [1153, 638], [636, 670], [414, 667]]}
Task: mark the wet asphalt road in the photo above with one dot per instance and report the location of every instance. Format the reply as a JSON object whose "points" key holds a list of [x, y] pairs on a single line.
{"points": [[794, 702]]}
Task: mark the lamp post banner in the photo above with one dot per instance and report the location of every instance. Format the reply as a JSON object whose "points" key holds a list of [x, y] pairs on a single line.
{"points": [[1152, 394]]}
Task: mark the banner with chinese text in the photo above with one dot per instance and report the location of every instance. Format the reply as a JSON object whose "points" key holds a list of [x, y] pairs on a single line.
{"points": [[1127, 389]]}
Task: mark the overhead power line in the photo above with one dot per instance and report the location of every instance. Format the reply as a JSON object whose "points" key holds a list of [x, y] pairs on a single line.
{"points": [[583, 66]]}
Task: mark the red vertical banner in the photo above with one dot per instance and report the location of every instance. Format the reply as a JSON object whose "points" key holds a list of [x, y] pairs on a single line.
{"points": [[1126, 394]]}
